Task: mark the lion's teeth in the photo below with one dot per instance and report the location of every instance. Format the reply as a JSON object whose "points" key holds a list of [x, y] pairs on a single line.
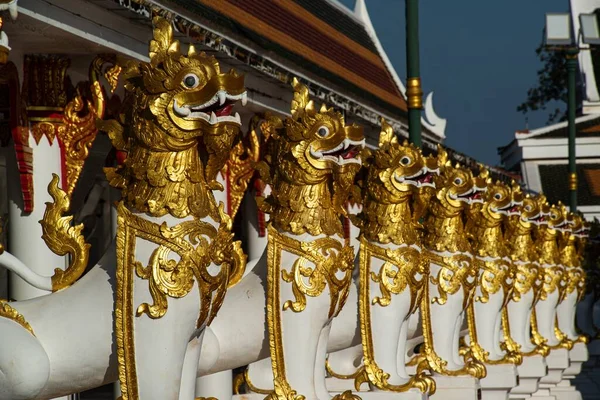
{"points": [[316, 154], [222, 98], [181, 111], [244, 98], [238, 119], [213, 118], [12, 9]]}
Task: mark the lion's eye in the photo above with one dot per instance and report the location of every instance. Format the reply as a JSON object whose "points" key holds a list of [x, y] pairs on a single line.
{"points": [[191, 81], [553, 216], [527, 208], [405, 160], [497, 196], [458, 181], [323, 131]]}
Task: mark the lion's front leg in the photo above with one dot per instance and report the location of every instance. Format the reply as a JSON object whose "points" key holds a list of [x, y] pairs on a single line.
{"points": [[153, 336], [171, 282], [390, 290], [308, 283], [160, 347], [446, 316]]}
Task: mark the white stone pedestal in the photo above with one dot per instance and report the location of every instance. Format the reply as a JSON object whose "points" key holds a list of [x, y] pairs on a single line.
{"points": [[565, 391], [529, 375], [577, 356], [543, 394], [558, 361], [499, 381], [456, 388]]}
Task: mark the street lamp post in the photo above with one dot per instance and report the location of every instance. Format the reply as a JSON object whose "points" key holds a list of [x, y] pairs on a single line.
{"points": [[414, 93], [571, 108], [558, 36]]}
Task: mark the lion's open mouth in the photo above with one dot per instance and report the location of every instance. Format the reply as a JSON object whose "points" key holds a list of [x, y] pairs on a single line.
{"points": [[562, 225], [514, 209], [504, 210], [538, 219], [474, 195], [422, 178], [344, 153], [216, 110]]}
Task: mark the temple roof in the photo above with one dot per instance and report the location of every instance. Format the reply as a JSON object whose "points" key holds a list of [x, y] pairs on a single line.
{"points": [[586, 126], [322, 38]]}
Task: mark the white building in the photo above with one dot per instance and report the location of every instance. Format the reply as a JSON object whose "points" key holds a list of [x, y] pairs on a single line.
{"points": [[541, 155]]}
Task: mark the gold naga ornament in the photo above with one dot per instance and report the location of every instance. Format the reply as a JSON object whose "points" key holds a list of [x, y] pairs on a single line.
{"points": [[485, 227], [310, 162], [389, 234], [447, 245], [166, 131], [551, 269], [574, 276], [526, 270]]}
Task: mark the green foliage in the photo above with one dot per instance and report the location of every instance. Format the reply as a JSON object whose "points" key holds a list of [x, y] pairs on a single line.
{"points": [[551, 86]]}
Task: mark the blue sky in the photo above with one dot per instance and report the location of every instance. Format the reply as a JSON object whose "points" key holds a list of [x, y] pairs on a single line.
{"points": [[478, 57]]}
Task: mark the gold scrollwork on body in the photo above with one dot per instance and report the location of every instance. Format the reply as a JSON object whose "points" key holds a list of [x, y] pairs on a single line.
{"points": [[493, 277], [575, 277], [455, 273], [197, 244], [552, 277], [328, 257], [401, 269], [525, 278]]}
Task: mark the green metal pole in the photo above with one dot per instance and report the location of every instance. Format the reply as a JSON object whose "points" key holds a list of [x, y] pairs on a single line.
{"points": [[571, 70], [414, 93]]}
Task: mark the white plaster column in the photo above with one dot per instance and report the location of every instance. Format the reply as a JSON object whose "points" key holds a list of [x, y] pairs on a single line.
{"points": [[3, 216], [24, 230]]}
